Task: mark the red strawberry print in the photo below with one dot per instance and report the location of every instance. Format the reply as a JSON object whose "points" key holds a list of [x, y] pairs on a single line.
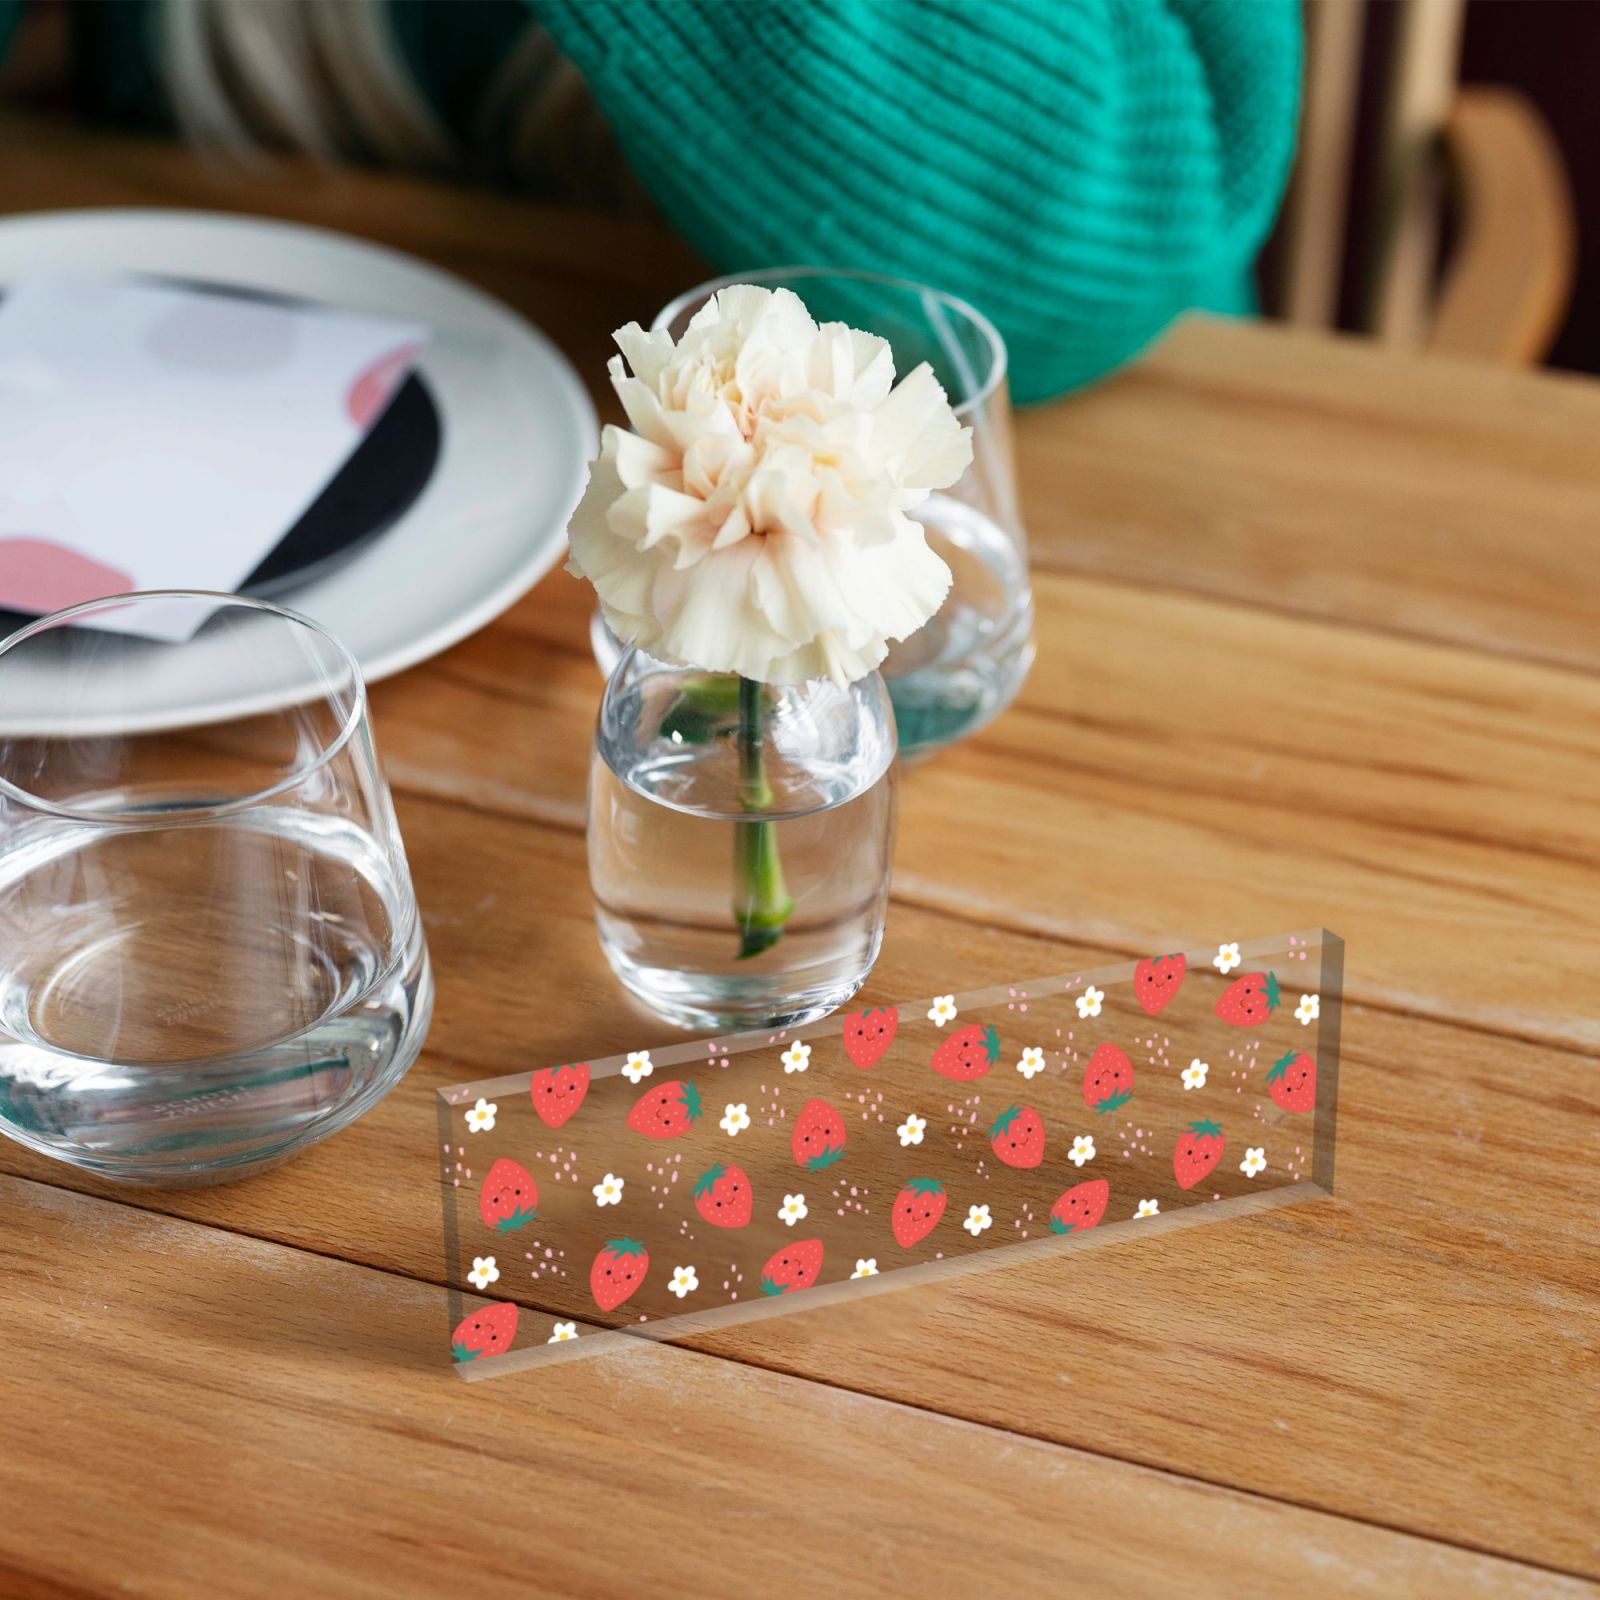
{"points": [[509, 1197], [1082, 1206], [1156, 981], [796, 1266], [818, 1136], [558, 1092], [667, 1111], [968, 1053], [1249, 1001], [1198, 1151], [1108, 1079], [488, 1332], [722, 1195], [917, 1209], [1292, 1081], [867, 1034], [618, 1270], [1018, 1137]]}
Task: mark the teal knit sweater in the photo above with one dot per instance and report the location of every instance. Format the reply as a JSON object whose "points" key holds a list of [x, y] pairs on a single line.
{"points": [[1082, 170]]}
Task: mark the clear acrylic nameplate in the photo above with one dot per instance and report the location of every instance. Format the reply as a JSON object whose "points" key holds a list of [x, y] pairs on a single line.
{"points": [[688, 1187]]}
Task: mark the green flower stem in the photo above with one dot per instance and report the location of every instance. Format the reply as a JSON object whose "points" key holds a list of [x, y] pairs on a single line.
{"points": [[761, 903]]}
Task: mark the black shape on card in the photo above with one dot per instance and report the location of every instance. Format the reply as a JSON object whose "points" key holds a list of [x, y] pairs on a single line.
{"points": [[380, 482]]}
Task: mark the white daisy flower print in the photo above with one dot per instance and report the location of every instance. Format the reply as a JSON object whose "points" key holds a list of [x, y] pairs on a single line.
{"points": [[1082, 1149], [1194, 1075], [1089, 1001], [1226, 958], [638, 1065], [1309, 1009], [1148, 1208], [735, 1119], [912, 1129], [793, 1209], [480, 1119], [562, 1332], [685, 1280], [484, 1272], [978, 1219], [867, 1268], [1032, 1062], [1255, 1160], [797, 1057], [943, 1009], [608, 1192]]}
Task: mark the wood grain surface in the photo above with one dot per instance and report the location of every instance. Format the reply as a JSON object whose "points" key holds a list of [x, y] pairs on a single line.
{"points": [[1318, 636]]}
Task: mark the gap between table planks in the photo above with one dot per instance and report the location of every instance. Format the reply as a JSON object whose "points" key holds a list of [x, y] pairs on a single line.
{"points": [[260, 1442], [1407, 1353]]}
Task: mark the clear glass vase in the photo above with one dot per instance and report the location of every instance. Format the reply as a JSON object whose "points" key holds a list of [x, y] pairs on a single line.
{"points": [[740, 839], [966, 664]]}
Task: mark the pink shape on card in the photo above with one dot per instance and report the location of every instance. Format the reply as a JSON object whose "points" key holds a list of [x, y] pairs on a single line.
{"points": [[40, 575], [371, 393]]}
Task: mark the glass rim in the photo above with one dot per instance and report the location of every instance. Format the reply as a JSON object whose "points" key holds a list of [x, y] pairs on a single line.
{"points": [[997, 345], [291, 780]]}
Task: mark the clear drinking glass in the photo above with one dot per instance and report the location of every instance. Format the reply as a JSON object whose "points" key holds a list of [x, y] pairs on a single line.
{"points": [[210, 953], [967, 663], [690, 886]]}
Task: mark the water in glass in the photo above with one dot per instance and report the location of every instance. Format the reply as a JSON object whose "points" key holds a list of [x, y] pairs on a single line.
{"points": [[665, 815], [210, 954]]}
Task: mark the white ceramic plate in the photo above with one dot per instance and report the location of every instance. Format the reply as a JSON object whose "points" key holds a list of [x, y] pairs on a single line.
{"points": [[518, 427]]}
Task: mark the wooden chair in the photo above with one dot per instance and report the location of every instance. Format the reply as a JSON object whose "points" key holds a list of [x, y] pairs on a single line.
{"points": [[1481, 156]]}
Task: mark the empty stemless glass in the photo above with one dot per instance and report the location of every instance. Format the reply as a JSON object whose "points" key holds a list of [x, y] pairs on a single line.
{"points": [[210, 953], [966, 664]]}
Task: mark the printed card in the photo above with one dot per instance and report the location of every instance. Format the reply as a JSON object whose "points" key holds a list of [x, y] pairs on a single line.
{"points": [[156, 437]]}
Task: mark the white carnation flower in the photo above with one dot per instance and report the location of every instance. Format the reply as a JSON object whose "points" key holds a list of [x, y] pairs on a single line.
{"points": [[755, 519]]}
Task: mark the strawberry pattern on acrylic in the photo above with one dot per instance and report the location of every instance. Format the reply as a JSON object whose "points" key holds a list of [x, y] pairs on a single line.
{"points": [[889, 1139]]}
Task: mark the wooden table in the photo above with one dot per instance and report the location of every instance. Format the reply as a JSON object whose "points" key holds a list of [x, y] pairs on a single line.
{"points": [[1318, 643]]}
